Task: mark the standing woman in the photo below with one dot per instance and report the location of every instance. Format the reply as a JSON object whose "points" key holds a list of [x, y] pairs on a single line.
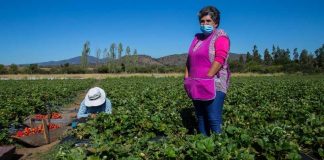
{"points": [[207, 72]]}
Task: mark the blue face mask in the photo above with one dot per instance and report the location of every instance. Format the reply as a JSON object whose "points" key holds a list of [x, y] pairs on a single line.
{"points": [[206, 29]]}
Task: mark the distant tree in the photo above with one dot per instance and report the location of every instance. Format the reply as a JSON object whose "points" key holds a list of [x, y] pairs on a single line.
{"points": [[33, 68], [106, 55], [120, 50], [128, 52], [275, 54], [319, 53], [256, 55], [98, 56], [85, 54], [241, 60], [112, 51], [66, 65], [267, 57], [311, 60], [3, 69], [123, 68], [303, 58], [135, 57], [65, 68], [236, 66], [248, 57], [296, 55], [286, 56], [281, 56], [135, 51], [13, 69]]}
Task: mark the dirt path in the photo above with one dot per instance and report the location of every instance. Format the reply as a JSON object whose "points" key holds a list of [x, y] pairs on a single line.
{"points": [[37, 152]]}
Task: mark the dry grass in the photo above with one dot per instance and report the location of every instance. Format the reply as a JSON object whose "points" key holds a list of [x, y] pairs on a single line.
{"points": [[256, 74], [103, 76]]}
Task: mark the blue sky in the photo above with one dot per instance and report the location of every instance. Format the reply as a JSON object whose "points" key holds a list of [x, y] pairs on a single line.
{"points": [[42, 30]]}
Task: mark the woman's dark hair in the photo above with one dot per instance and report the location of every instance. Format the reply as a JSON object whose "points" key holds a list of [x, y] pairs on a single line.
{"points": [[213, 12]]}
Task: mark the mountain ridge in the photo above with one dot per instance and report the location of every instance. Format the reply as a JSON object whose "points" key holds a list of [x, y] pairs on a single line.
{"points": [[169, 60]]}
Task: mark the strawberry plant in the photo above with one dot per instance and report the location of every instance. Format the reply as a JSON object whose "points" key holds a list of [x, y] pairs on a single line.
{"points": [[264, 118], [21, 98]]}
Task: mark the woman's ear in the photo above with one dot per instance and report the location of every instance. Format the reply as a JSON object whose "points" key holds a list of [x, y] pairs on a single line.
{"points": [[216, 25]]}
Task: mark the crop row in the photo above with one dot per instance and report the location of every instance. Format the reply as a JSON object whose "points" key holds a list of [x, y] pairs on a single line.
{"points": [[264, 117], [21, 98]]}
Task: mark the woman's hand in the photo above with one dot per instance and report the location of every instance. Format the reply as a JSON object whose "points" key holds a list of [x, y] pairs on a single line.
{"points": [[186, 73], [73, 115], [210, 75], [93, 115], [214, 69]]}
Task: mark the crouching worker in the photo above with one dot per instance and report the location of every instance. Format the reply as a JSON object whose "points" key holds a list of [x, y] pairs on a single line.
{"points": [[94, 102]]}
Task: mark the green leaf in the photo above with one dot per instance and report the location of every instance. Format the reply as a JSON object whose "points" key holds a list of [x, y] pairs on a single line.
{"points": [[209, 144], [200, 146], [170, 152], [321, 152], [93, 158]]}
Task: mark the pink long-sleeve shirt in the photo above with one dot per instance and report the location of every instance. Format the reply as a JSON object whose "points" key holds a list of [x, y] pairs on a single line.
{"points": [[198, 61]]}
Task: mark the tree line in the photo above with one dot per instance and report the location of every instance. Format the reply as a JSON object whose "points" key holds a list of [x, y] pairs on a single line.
{"points": [[110, 60], [280, 60], [117, 60], [115, 52]]}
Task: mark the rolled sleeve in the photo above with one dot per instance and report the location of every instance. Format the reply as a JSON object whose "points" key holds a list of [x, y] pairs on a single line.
{"points": [[108, 108], [222, 46], [82, 111]]}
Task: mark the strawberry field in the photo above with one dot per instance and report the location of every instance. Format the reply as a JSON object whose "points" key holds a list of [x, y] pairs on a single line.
{"points": [[21, 98], [263, 118]]}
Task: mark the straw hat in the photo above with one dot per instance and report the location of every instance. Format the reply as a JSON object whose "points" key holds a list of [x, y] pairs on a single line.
{"points": [[95, 97]]}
